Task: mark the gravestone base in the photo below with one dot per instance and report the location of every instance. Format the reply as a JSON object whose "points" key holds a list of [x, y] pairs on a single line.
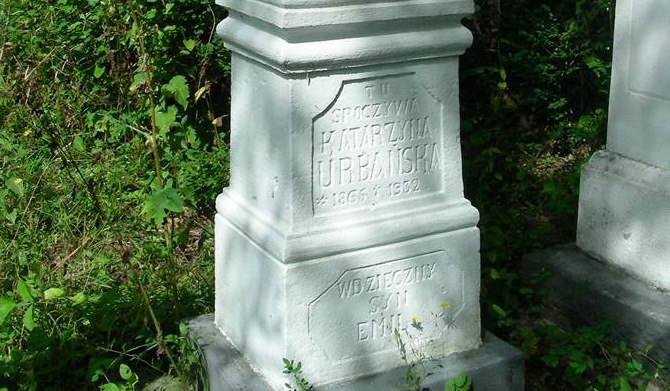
{"points": [[624, 215], [592, 291], [339, 312], [495, 366]]}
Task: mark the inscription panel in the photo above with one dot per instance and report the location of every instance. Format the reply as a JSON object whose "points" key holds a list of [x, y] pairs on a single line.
{"points": [[360, 312], [379, 141], [650, 48]]}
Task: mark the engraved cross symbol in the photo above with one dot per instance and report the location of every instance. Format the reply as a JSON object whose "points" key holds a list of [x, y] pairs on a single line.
{"points": [[376, 190]]}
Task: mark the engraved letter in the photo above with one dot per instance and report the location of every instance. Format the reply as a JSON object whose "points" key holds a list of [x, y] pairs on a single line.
{"points": [[345, 167], [362, 332]]}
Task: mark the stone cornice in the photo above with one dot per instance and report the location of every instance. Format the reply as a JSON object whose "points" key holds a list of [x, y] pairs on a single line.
{"points": [[311, 13], [307, 36]]}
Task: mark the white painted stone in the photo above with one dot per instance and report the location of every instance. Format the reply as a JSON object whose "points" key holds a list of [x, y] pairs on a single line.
{"points": [[639, 115], [624, 210], [345, 217]]}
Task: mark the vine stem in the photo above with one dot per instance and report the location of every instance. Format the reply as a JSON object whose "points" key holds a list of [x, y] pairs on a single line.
{"points": [[159, 330], [152, 110]]}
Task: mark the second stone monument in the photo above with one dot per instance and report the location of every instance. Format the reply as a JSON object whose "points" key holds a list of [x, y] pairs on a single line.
{"points": [[345, 224]]}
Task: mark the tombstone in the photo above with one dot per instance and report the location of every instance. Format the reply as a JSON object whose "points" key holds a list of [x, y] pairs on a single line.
{"points": [[344, 228], [624, 206], [624, 211]]}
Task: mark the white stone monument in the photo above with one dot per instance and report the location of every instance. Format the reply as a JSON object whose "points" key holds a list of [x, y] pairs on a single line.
{"points": [[624, 210], [345, 218]]}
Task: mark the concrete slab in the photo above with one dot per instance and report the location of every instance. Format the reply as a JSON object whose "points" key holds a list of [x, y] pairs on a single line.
{"points": [[593, 291], [496, 366]]}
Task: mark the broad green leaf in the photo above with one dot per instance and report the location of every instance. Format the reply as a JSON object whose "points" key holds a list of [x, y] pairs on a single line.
{"points": [[189, 44], [183, 329], [498, 310], [53, 293], [177, 88], [11, 216], [164, 120], [168, 7], [24, 291], [15, 185], [78, 298], [6, 307], [125, 372], [159, 202], [99, 71], [78, 143], [138, 80], [110, 387], [28, 321]]}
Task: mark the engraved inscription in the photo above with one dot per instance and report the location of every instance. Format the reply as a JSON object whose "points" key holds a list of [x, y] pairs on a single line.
{"points": [[379, 141], [360, 312]]}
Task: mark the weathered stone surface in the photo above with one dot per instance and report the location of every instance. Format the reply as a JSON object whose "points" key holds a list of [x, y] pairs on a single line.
{"points": [[306, 36], [345, 218], [639, 115], [494, 367], [624, 207], [340, 312], [624, 215]]}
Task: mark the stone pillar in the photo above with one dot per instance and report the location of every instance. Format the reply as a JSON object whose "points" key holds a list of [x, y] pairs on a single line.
{"points": [[624, 210], [345, 218]]}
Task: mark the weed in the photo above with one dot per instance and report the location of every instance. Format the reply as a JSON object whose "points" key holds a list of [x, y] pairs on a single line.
{"points": [[298, 382]]}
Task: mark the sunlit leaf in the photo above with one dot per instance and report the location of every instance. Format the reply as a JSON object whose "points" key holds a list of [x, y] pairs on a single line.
{"points": [[78, 298], [161, 201], [98, 71], [165, 119], [125, 372], [6, 307], [189, 44], [177, 88], [15, 185], [24, 291], [28, 321], [53, 293]]}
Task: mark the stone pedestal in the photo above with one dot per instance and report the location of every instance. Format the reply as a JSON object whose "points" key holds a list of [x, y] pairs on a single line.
{"points": [[624, 210], [345, 218]]}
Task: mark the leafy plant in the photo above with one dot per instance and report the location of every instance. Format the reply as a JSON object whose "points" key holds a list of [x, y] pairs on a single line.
{"points": [[298, 382], [459, 383]]}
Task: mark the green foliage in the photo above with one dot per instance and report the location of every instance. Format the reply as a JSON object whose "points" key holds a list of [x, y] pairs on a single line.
{"points": [[298, 382], [459, 383], [100, 124], [533, 112], [166, 199]]}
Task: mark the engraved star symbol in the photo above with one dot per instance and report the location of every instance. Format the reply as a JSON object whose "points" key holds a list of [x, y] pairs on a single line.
{"points": [[323, 200]]}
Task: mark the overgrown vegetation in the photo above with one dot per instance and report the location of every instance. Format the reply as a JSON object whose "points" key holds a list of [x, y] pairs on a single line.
{"points": [[113, 135], [534, 110], [112, 149]]}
